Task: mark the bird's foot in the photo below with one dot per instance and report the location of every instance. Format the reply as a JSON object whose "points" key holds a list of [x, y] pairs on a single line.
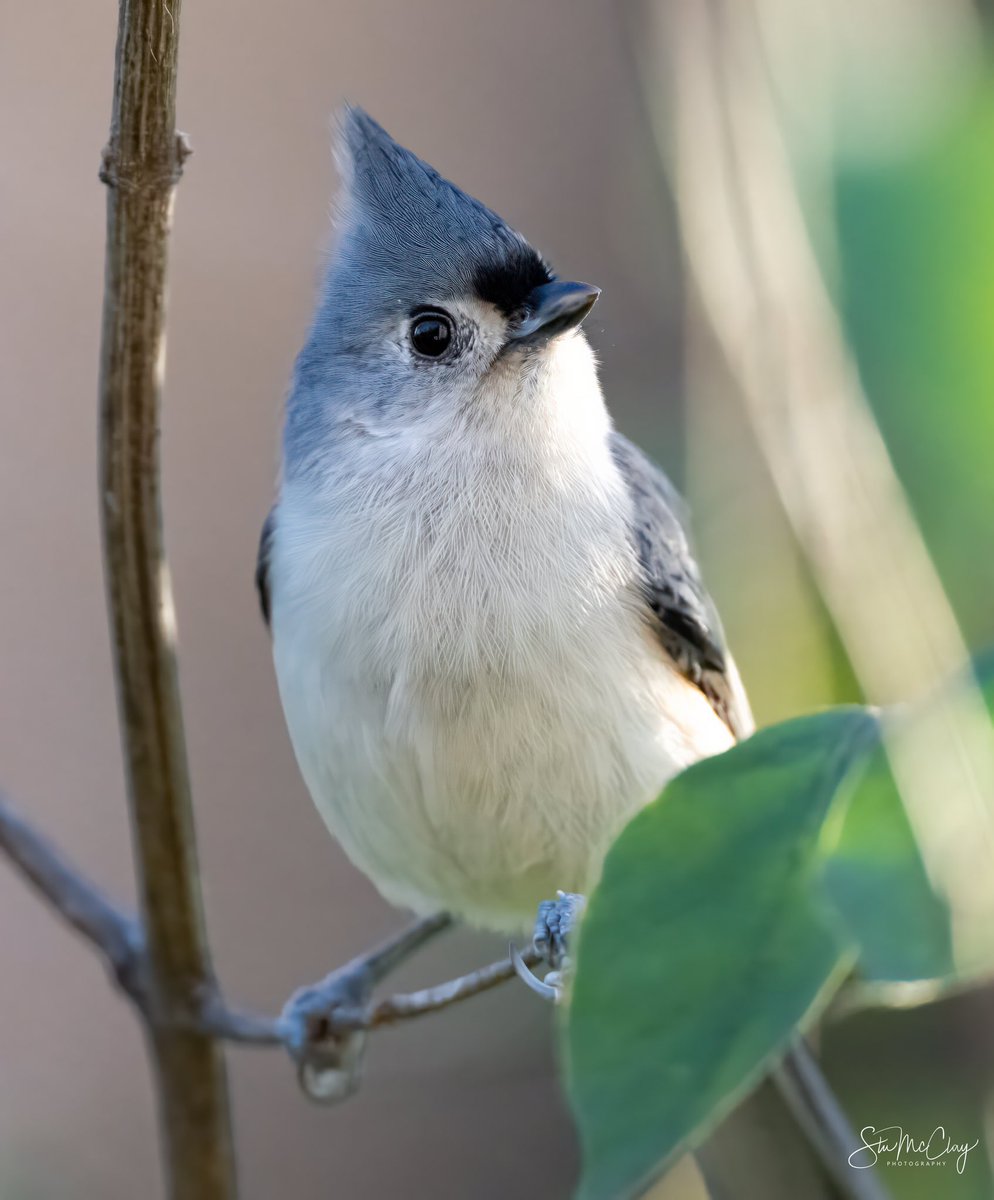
{"points": [[329, 1058], [554, 926], [324, 1025]]}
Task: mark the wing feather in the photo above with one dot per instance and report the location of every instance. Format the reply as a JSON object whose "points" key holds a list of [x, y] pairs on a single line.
{"points": [[262, 565], [678, 605]]}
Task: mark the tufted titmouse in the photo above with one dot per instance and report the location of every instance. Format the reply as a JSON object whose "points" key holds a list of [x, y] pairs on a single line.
{"points": [[490, 635]]}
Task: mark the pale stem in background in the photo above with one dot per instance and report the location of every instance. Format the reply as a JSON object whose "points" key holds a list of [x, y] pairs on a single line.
{"points": [[761, 289]]}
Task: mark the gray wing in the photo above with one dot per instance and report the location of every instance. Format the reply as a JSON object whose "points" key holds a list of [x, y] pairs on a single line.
{"points": [[680, 609], [262, 565]]}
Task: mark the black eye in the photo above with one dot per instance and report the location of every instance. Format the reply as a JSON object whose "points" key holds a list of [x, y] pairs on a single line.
{"points": [[431, 334]]}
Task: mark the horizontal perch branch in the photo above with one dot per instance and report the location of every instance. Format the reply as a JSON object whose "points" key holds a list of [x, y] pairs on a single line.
{"points": [[217, 1018], [119, 938]]}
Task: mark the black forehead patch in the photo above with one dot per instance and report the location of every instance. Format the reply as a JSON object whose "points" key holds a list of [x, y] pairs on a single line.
{"points": [[507, 283]]}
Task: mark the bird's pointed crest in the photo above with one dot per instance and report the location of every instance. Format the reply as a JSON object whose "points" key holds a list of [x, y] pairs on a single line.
{"points": [[412, 222]]}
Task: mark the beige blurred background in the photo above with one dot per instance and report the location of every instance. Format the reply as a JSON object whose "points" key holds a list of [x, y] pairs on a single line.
{"points": [[533, 108], [886, 108]]}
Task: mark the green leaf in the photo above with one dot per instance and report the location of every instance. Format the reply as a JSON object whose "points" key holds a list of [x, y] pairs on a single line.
{"points": [[727, 911], [983, 670], [706, 944], [874, 875], [875, 881]]}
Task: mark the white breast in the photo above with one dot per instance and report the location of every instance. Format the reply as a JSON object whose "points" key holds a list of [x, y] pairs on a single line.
{"points": [[474, 698]]}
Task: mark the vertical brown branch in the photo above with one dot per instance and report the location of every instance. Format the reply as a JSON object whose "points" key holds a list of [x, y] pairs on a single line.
{"points": [[141, 166]]}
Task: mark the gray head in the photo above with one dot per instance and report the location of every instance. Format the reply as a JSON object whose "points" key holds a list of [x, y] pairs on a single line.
{"points": [[429, 298]]}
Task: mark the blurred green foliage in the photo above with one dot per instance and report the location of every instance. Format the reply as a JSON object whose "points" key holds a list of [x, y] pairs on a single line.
{"points": [[916, 252]]}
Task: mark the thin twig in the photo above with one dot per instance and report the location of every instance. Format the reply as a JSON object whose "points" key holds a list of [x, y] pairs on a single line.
{"points": [[433, 999], [825, 1122], [114, 933], [381, 960], [213, 1017]]}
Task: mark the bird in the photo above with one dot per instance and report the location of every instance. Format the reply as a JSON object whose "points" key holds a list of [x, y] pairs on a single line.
{"points": [[492, 641], [491, 638]]}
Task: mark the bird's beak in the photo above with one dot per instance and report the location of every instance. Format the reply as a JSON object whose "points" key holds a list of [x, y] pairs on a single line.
{"points": [[552, 309]]}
